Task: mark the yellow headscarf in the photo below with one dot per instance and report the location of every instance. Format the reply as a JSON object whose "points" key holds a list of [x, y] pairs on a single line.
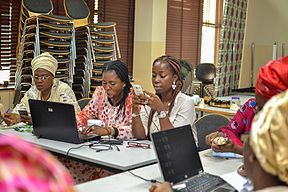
{"points": [[268, 137], [45, 61]]}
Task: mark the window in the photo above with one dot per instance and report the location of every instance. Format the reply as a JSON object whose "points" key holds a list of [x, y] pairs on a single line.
{"points": [[184, 21], [212, 14], [9, 18]]}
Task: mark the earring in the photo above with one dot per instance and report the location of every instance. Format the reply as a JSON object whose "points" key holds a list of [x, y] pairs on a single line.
{"points": [[251, 158], [174, 85]]}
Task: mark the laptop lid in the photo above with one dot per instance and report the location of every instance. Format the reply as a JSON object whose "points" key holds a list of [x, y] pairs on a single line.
{"points": [[54, 120], [177, 153]]}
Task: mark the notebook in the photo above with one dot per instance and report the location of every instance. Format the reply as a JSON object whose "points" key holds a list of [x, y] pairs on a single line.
{"points": [[56, 121], [180, 162]]}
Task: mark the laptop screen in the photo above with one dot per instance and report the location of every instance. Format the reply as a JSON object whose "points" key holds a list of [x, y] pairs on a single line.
{"points": [[177, 153]]}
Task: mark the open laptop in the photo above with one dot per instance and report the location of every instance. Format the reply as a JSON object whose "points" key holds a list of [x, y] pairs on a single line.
{"points": [[56, 121], [180, 162]]}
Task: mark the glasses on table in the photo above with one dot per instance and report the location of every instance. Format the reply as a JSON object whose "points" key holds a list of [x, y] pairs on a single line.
{"points": [[138, 144]]}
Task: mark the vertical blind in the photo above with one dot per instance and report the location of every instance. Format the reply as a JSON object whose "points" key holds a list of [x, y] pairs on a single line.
{"points": [[9, 18], [122, 13], [184, 22]]}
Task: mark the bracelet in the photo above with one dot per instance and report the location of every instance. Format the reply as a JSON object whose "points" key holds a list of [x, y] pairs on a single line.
{"points": [[135, 115]]}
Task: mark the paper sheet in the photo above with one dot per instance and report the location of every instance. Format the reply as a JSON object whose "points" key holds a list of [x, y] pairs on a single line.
{"points": [[234, 179]]}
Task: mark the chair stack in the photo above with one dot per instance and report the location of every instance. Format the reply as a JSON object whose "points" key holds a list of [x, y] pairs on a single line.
{"points": [[83, 62], [45, 33], [105, 48]]}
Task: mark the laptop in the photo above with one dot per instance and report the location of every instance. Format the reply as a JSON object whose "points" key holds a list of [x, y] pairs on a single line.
{"points": [[56, 121], [180, 162]]}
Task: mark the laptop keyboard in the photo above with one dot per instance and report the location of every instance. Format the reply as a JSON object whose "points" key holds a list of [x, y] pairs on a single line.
{"points": [[202, 183]]}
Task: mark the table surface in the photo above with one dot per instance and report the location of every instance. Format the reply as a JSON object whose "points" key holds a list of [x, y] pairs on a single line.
{"points": [[123, 160], [125, 181]]}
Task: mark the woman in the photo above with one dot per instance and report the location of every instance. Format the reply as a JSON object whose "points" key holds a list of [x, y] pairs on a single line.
{"points": [[167, 108], [46, 88], [111, 103], [265, 152], [25, 167], [272, 79]]}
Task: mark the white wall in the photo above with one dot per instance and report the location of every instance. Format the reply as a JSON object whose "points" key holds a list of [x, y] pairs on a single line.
{"points": [[266, 23]]}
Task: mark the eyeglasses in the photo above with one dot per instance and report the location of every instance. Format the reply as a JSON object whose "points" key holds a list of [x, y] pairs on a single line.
{"points": [[41, 78], [140, 145]]}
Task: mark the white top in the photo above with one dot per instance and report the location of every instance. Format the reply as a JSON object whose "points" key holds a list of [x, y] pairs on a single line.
{"points": [[182, 113]]}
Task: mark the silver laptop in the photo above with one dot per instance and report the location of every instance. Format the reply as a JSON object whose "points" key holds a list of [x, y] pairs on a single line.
{"points": [[56, 121], [180, 162]]}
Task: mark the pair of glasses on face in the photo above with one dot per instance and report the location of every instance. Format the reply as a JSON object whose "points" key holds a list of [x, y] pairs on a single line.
{"points": [[138, 145], [41, 78]]}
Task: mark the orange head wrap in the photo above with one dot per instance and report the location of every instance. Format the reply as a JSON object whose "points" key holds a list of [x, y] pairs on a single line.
{"points": [[272, 78]]}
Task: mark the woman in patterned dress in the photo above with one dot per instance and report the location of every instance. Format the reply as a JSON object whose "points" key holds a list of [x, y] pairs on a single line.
{"points": [[112, 104]]}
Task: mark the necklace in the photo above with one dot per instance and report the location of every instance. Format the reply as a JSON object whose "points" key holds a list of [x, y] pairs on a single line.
{"points": [[45, 98]]}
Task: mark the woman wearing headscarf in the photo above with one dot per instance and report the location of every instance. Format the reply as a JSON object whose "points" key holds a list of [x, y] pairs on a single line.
{"points": [[271, 80], [265, 153], [168, 107], [45, 87], [25, 167]]}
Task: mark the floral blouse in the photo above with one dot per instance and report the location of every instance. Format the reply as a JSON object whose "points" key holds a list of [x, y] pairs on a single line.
{"points": [[100, 108], [241, 122]]}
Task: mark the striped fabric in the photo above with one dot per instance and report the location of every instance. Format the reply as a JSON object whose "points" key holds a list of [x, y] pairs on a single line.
{"points": [[25, 167]]}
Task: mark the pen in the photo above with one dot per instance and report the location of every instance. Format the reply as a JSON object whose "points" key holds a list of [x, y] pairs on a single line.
{"points": [[7, 110]]}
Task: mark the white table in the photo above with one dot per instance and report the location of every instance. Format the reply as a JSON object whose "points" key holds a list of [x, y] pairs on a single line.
{"points": [[123, 160], [124, 182]]}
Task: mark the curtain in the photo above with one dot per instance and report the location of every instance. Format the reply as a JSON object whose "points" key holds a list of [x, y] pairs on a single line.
{"points": [[231, 45]]}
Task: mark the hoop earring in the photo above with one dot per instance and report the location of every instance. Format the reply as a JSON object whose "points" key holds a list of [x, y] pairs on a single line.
{"points": [[174, 85]]}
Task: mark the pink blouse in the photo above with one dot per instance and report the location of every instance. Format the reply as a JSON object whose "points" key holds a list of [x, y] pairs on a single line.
{"points": [[100, 108], [241, 122]]}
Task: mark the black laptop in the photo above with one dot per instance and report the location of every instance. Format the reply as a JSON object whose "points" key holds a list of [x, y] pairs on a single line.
{"points": [[56, 121], [180, 162]]}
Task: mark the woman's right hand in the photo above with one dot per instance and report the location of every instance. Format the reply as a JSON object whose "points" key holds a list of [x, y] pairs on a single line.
{"points": [[11, 118], [209, 138]]}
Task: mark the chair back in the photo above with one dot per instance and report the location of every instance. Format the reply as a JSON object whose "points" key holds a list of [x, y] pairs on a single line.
{"points": [[78, 10], [83, 102], [206, 72], [207, 124]]}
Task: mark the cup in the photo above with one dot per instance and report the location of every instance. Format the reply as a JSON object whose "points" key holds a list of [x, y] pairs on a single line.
{"points": [[96, 122], [196, 99]]}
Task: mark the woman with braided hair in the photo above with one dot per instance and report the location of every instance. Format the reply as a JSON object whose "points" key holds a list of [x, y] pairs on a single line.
{"points": [[111, 103], [168, 107]]}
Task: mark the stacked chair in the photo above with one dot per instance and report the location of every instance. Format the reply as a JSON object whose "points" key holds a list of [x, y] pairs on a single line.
{"points": [[45, 33], [79, 12], [105, 48]]}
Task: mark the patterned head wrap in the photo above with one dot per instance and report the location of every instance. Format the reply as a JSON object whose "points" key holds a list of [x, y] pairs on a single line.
{"points": [[272, 78], [268, 137], [45, 61], [25, 167]]}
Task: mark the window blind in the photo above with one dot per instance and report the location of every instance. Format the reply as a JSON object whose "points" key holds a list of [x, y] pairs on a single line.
{"points": [[122, 13], [184, 22]]}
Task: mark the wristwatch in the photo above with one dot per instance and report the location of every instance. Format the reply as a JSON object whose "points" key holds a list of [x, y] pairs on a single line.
{"points": [[162, 114]]}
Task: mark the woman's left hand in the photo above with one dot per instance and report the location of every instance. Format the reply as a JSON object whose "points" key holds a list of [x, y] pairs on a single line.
{"points": [[97, 130], [154, 101]]}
